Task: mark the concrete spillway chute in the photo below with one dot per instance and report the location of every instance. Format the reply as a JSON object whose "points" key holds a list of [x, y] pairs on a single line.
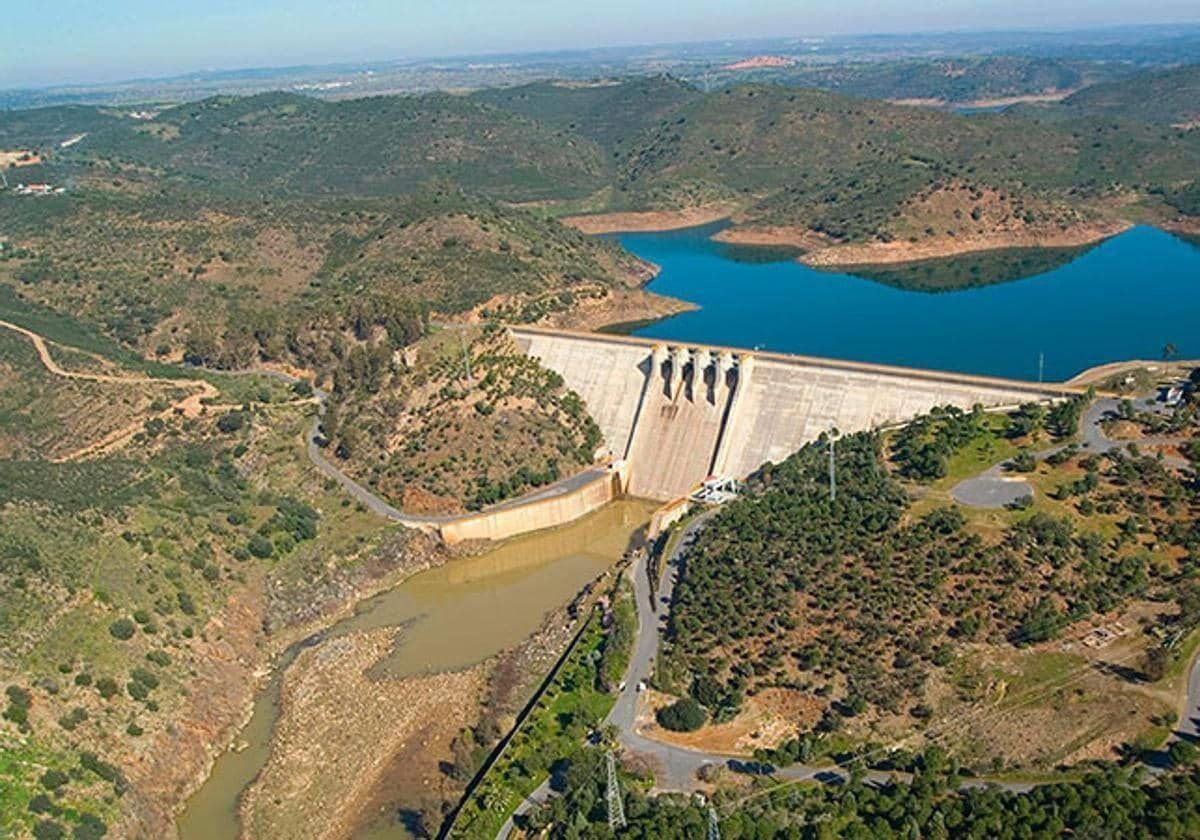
{"points": [[700, 363], [724, 366], [679, 359], [658, 357]]}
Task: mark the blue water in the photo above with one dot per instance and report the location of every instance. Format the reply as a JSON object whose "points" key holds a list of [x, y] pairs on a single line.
{"points": [[1126, 298]]}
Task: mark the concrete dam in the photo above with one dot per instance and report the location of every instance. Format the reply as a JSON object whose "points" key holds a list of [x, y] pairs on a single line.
{"points": [[676, 413]]}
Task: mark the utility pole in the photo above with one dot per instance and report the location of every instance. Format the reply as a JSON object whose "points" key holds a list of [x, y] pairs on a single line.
{"points": [[612, 794], [714, 829], [466, 355], [832, 471]]}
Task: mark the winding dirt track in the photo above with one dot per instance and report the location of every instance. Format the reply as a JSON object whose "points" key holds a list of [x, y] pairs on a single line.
{"points": [[192, 405]]}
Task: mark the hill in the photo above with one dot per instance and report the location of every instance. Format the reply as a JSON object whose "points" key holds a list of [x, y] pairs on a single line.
{"points": [[875, 172], [1163, 97], [945, 81], [286, 144], [611, 112]]}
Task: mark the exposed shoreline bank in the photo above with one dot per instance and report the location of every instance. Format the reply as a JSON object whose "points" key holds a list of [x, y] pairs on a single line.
{"points": [[648, 221], [819, 251]]}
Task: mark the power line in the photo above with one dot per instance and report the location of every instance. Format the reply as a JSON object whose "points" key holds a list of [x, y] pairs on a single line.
{"points": [[466, 355]]}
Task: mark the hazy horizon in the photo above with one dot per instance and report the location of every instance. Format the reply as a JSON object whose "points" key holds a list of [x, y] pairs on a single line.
{"points": [[74, 41]]}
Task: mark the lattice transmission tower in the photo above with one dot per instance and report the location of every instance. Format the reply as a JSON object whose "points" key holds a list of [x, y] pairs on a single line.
{"points": [[714, 829], [612, 794]]}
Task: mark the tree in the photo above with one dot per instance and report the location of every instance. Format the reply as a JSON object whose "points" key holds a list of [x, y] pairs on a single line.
{"points": [[684, 715], [1155, 662], [1183, 753], [260, 546], [231, 421]]}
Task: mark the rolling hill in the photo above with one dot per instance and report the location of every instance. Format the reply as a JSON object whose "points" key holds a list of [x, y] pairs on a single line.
{"points": [[1166, 97]]}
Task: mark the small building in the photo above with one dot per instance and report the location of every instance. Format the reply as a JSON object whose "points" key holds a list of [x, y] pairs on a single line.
{"points": [[716, 491], [37, 189]]}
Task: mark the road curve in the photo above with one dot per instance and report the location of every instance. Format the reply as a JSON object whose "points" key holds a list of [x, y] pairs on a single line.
{"points": [[312, 441]]}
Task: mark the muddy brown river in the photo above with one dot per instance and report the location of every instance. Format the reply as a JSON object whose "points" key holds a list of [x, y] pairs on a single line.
{"points": [[455, 616]]}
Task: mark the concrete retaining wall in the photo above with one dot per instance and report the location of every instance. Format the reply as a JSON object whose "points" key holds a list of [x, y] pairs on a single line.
{"points": [[548, 512], [666, 516], [784, 406]]}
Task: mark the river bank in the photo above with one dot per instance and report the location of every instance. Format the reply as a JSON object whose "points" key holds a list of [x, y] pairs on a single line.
{"points": [[442, 634], [258, 628], [648, 221]]}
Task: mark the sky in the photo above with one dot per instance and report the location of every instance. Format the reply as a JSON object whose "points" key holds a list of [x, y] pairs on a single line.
{"points": [[106, 40]]}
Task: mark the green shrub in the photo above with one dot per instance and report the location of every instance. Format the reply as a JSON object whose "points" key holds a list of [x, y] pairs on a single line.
{"points": [[186, 604], [48, 830], [122, 629], [684, 715], [260, 546], [89, 827], [159, 657], [53, 779], [232, 421]]}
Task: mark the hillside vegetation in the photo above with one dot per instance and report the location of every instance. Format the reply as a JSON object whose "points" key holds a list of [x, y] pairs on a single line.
{"points": [[880, 610], [1166, 97], [136, 591], [933, 81], [426, 434], [286, 230]]}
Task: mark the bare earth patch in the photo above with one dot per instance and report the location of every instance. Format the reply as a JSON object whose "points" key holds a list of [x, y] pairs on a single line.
{"points": [[339, 730], [775, 236], [621, 306], [648, 221], [888, 253], [766, 719]]}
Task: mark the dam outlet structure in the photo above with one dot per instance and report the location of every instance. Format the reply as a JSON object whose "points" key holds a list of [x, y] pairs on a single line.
{"points": [[677, 413]]}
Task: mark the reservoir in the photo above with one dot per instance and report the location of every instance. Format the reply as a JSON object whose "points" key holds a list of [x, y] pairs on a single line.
{"points": [[998, 314], [454, 616]]}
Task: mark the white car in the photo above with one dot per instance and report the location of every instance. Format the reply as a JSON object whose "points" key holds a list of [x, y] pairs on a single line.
{"points": [[641, 686]]}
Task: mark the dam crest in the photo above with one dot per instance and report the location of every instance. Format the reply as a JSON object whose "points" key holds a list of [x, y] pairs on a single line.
{"points": [[678, 412]]}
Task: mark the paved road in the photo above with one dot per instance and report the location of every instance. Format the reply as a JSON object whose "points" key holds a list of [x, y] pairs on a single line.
{"points": [[1188, 727], [995, 487]]}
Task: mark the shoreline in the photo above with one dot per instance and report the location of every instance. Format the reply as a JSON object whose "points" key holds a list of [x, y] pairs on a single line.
{"points": [[274, 644], [648, 221], [897, 253], [819, 251]]}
